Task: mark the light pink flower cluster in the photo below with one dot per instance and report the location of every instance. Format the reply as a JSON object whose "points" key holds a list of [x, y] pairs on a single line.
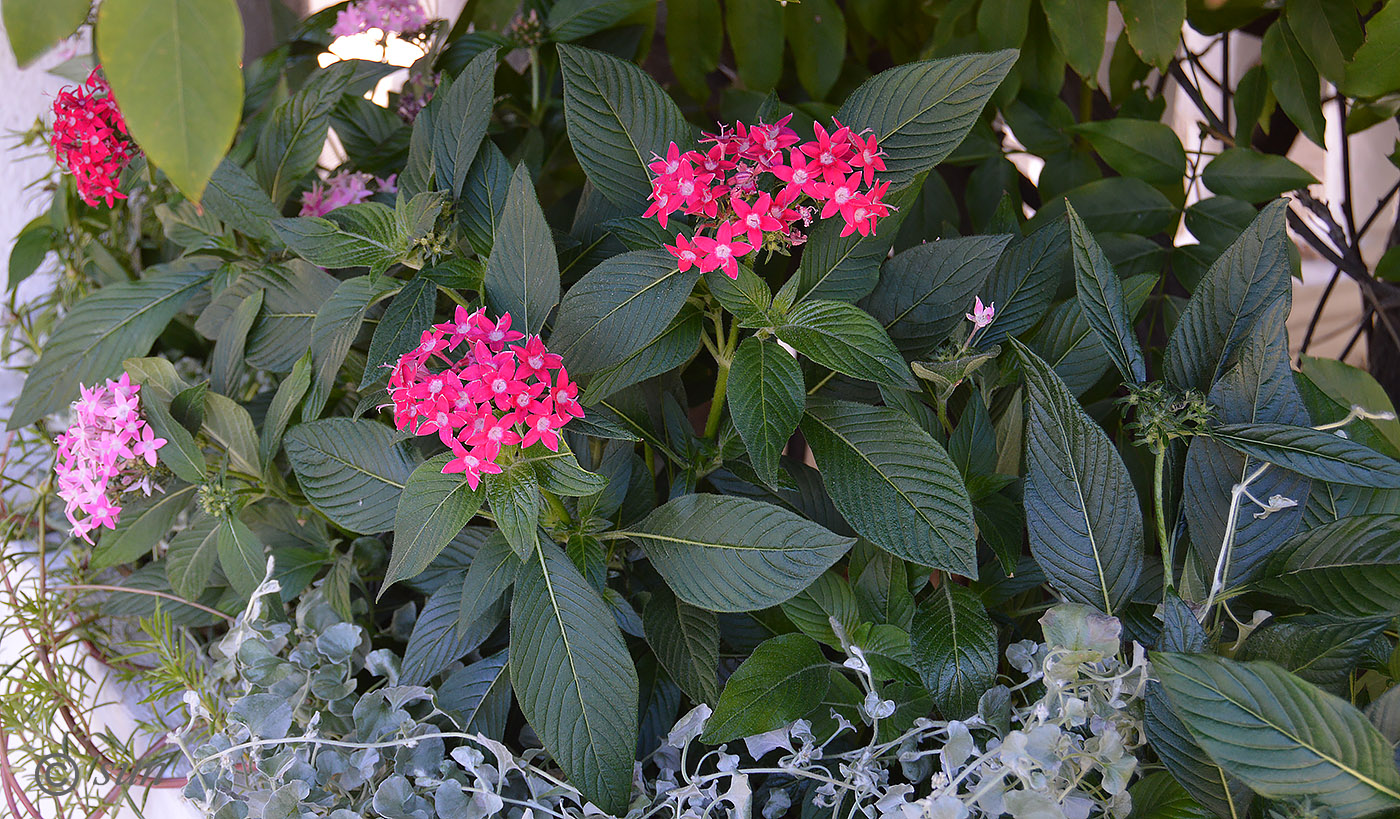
{"points": [[744, 191], [90, 139], [389, 16], [344, 188], [496, 393], [100, 455]]}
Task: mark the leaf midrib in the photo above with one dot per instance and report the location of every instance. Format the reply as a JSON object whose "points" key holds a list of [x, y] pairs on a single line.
{"points": [[583, 334], [577, 687]]}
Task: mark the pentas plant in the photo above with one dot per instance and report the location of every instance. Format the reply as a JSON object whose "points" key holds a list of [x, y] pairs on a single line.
{"points": [[495, 394], [752, 187], [344, 188], [107, 450], [90, 140], [389, 16]]}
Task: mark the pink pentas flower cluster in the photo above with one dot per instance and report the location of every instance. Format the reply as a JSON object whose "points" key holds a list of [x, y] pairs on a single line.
{"points": [[90, 139], [502, 389], [754, 184], [344, 188], [107, 450], [389, 16]]}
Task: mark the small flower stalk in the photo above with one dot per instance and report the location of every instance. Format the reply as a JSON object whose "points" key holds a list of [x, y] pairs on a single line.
{"points": [[90, 139], [107, 450], [504, 389], [755, 184]]}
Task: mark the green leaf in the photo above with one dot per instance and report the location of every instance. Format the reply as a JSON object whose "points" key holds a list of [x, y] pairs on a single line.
{"points": [[1281, 736], [522, 274], [674, 347], [619, 307], [813, 609], [233, 338], [1187, 763], [559, 471], [30, 249], [462, 120], [1376, 70], [242, 556], [1314, 453], [478, 696], [483, 198], [334, 330], [144, 523], [1294, 81], [617, 118], [685, 639], [1140, 148], [847, 268], [1154, 28], [432, 510], [1117, 204], [1101, 298], [954, 645], [181, 101], [784, 678], [816, 30], [1160, 796], [1240, 286], [401, 327], [115, 323], [293, 296], [1079, 29], [1329, 31], [747, 297], [180, 453], [493, 569], [1067, 342], [1252, 176], [894, 483], [883, 590], [925, 291], [766, 396], [1345, 385], [1024, 280], [921, 111], [352, 471], [1082, 511], [756, 35], [1318, 648], [1219, 220], [284, 404], [845, 338], [571, 20], [694, 38], [291, 142], [191, 556], [236, 200], [574, 678], [230, 426], [514, 494], [735, 554], [362, 235], [34, 28], [436, 642]]}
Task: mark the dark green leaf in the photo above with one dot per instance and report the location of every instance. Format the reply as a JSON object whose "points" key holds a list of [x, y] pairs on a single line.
{"points": [[1329, 31], [924, 291], [674, 347], [143, 524], [462, 121], [816, 30], [180, 453], [522, 274], [514, 494], [492, 571], [235, 199], [333, 331], [1375, 71], [1313, 453], [1101, 298], [483, 199], [1349, 567], [284, 404], [845, 338], [233, 338], [1079, 29], [432, 510], [756, 36], [191, 556], [436, 642], [766, 396], [1294, 81], [1024, 281], [1252, 176], [242, 556], [1320, 649], [1154, 28], [291, 141], [401, 328], [478, 696], [1159, 796], [352, 471], [1140, 148], [847, 268], [686, 641], [694, 38], [782, 680], [954, 644], [559, 471]]}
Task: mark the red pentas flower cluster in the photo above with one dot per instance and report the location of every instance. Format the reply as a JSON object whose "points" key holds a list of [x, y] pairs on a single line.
{"points": [[754, 184], [90, 139], [504, 388]]}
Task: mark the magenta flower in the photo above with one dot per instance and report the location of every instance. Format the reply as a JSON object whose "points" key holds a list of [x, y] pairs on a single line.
{"points": [[341, 189], [389, 16], [981, 315]]}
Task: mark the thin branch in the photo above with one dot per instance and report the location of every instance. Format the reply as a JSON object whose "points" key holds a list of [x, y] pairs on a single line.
{"points": [[1317, 312]]}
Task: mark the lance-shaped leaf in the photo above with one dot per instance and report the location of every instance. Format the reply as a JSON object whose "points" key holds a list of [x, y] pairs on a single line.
{"points": [[1082, 511], [1281, 736], [894, 483], [361, 235], [514, 494], [1349, 567], [180, 453], [1239, 287], [676, 345], [847, 268], [617, 118], [618, 308], [401, 328], [686, 641], [1023, 283], [845, 338], [432, 510], [522, 274], [461, 122], [921, 111], [284, 403], [34, 28], [954, 645], [571, 20], [291, 141], [478, 697], [334, 330], [727, 553], [118, 322], [191, 556], [242, 556], [353, 471], [766, 396], [437, 642], [574, 678], [782, 680], [492, 571], [1101, 299], [233, 338], [143, 524], [1314, 453], [1207, 783]]}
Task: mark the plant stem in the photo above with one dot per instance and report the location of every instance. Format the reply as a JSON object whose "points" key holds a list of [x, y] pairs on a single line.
{"points": [[1163, 541], [717, 400], [535, 84]]}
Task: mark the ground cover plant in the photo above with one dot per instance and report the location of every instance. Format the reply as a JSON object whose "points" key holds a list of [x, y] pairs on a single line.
{"points": [[648, 429]]}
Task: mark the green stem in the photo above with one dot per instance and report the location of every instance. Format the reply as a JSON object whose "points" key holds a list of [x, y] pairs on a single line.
{"points": [[1158, 491], [717, 400], [535, 83]]}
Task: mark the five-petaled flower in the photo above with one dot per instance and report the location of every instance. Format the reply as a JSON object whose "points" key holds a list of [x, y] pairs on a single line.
{"points": [[90, 139]]}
